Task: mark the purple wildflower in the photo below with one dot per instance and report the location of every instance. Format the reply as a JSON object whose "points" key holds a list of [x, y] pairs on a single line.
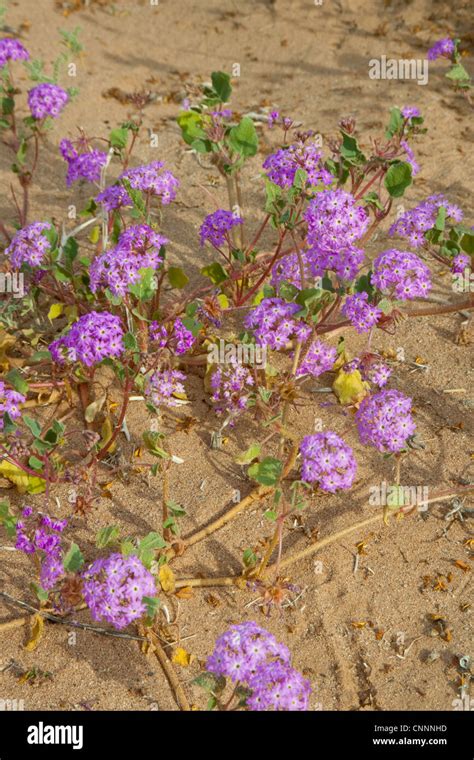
{"points": [[402, 273], [273, 324], [216, 226], [163, 384], [139, 247], [327, 461], [460, 262], [360, 313], [94, 337], [86, 165], [29, 245], [414, 223], [38, 532], [410, 112], [152, 180], [114, 588], [12, 50], [231, 384], [177, 338], [319, 358], [384, 420], [47, 100], [282, 166], [410, 157], [278, 686], [9, 403], [441, 49], [114, 197], [239, 651]]}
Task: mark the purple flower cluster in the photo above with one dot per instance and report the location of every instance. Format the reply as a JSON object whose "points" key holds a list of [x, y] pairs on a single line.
{"points": [[12, 50], [273, 324], [288, 269], [319, 358], [29, 245], [39, 532], [376, 372], [216, 226], [384, 420], [410, 112], [163, 384], [282, 166], [9, 401], [335, 222], [152, 180], [327, 461], [114, 197], [251, 656], [413, 224], [360, 313], [47, 100], [441, 49], [114, 588], [230, 384], [460, 262], [86, 165], [402, 273], [94, 337], [177, 338], [139, 247]]}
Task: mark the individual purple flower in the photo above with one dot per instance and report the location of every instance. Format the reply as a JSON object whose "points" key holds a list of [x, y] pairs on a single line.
{"points": [[278, 686], [410, 157], [410, 112], [151, 179], [86, 165], [327, 461], [273, 116], [216, 226], [114, 589], [281, 167], [377, 373], [114, 197], [231, 385], [52, 569], [460, 263], [177, 338], [414, 223], [29, 245], [47, 100], [274, 325], [402, 273], [384, 420], [319, 358], [12, 50], [163, 384], [94, 337], [360, 313], [139, 247], [9, 403], [242, 649], [441, 49]]}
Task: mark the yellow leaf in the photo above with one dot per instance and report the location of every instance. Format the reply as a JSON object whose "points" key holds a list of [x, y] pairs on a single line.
{"points": [[7, 342], [167, 579], [185, 593], [94, 235], [181, 657], [349, 387], [25, 483], [223, 301], [55, 311], [107, 430], [37, 625]]}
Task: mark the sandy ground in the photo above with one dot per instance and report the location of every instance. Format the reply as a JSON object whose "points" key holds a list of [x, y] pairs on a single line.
{"points": [[365, 639]]}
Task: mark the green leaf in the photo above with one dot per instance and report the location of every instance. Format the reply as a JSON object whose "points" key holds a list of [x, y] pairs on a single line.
{"points": [[35, 464], [440, 219], [152, 604], [221, 84], [145, 288], [32, 425], [243, 138], [177, 277], [248, 456], [153, 541], [106, 536], [395, 123], [15, 378], [267, 472], [350, 150], [215, 272], [7, 519], [458, 73], [73, 560], [40, 592], [118, 138], [190, 124], [398, 178], [130, 341], [467, 243]]}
